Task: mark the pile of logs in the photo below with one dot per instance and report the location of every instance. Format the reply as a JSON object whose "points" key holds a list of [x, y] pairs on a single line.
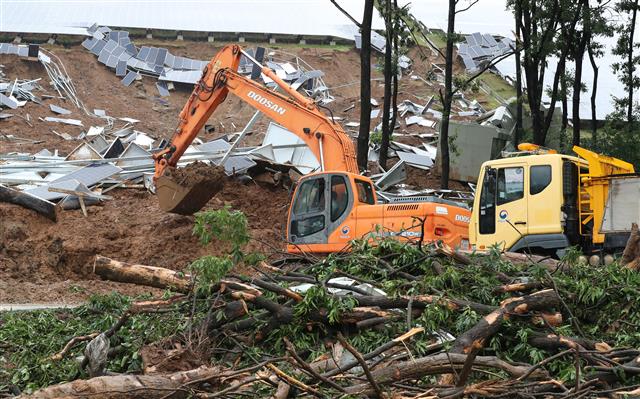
{"points": [[269, 338]]}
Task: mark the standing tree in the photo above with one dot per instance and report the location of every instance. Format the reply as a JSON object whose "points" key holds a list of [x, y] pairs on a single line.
{"points": [[390, 75], [365, 79], [447, 97], [518, 17], [624, 48]]}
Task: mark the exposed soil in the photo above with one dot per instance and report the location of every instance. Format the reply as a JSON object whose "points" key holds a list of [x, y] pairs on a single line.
{"points": [[198, 173], [43, 261]]}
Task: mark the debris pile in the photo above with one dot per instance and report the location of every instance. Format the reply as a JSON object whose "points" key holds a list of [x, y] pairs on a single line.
{"points": [[391, 320]]}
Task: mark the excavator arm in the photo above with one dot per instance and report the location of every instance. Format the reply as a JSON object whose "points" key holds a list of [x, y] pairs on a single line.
{"points": [[298, 114]]}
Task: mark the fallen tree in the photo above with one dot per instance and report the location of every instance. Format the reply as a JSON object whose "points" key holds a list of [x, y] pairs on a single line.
{"points": [[390, 319]]}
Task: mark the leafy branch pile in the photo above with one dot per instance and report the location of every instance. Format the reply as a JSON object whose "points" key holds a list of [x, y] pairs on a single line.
{"points": [[383, 320]]}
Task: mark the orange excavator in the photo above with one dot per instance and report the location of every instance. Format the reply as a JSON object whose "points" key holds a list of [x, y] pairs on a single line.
{"points": [[330, 207]]}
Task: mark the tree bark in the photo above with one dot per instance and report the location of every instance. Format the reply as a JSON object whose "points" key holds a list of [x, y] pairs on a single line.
{"points": [[630, 88], [365, 86], [129, 386], [631, 254], [594, 91], [150, 276], [388, 82], [476, 337], [446, 98], [43, 207], [518, 132], [578, 58]]}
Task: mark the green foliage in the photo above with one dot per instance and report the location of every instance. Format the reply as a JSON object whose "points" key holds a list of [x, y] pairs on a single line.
{"points": [[620, 139], [223, 224], [375, 137], [209, 270], [29, 339]]}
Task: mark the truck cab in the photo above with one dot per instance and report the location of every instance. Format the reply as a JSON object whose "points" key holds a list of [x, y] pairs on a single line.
{"points": [[545, 202], [330, 209]]}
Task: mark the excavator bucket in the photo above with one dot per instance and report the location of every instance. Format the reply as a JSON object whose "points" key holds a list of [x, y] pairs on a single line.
{"points": [[188, 193]]}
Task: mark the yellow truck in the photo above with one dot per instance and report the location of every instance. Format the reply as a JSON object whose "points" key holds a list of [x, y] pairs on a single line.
{"points": [[542, 202]]}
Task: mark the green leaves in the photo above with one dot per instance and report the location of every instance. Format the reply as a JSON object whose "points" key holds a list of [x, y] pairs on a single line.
{"points": [[224, 224], [29, 339]]}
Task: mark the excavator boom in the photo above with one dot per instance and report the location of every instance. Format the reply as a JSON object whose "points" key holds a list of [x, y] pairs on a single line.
{"points": [[298, 114]]}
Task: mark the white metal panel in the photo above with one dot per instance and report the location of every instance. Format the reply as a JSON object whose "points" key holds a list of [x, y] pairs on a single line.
{"points": [[623, 205]]}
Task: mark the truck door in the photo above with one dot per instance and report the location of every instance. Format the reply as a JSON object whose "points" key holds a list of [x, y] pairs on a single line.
{"points": [[503, 207], [308, 220]]}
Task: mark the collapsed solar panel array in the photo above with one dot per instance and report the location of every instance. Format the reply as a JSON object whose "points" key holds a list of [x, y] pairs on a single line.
{"points": [[480, 47], [115, 50]]}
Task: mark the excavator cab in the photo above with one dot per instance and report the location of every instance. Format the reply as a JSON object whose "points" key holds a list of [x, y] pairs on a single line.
{"points": [[323, 210]]}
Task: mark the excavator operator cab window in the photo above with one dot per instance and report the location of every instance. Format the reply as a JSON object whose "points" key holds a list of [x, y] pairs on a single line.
{"points": [[339, 197], [365, 192], [309, 208]]}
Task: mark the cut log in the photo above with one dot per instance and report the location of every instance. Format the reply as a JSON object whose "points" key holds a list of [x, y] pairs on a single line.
{"points": [[631, 254], [150, 276], [43, 207], [126, 386]]}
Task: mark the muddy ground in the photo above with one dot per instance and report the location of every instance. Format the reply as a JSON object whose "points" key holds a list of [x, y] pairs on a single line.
{"points": [[42, 261]]}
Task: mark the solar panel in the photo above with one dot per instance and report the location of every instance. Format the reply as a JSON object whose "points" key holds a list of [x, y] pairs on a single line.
{"points": [[131, 49], [488, 40], [98, 47], [151, 57], [131, 76], [477, 36], [112, 61], [104, 56], [470, 40], [469, 63], [89, 43], [163, 89], [144, 52], [169, 60], [117, 51], [121, 68], [162, 55], [463, 48], [4, 48], [111, 45]]}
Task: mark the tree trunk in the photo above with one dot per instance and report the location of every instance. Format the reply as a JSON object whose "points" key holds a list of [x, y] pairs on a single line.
{"points": [[150, 276], [388, 82], [365, 86], [129, 386], [43, 207], [594, 91], [565, 103], [518, 132], [446, 98], [630, 88], [578, 58]]}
